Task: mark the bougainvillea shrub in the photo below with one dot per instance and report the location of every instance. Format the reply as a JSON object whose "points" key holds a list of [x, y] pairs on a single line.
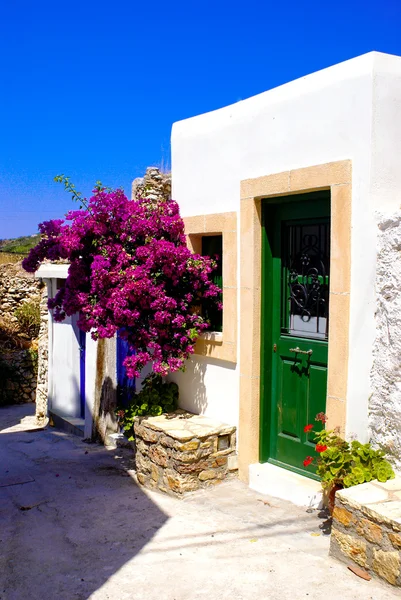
{"points": [[130, 270]]}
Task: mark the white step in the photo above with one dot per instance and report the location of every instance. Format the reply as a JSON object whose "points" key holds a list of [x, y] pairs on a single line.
{"points": [[271, 480]]}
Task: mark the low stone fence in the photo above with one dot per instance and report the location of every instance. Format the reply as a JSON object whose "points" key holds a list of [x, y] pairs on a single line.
{"points": [[21, 386], [19, 359], [181, 452], [16, 286], [367, 528]]}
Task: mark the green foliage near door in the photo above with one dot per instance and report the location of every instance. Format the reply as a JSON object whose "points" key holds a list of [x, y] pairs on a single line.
{"points": [[342, 463], [155, 398]]}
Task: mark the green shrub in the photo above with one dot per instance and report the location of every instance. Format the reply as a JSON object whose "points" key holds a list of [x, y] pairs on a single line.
{"points": [[155, 398], [344, 464], [28, 315]]}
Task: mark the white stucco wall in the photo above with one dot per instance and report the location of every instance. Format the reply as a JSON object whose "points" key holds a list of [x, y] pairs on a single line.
{"points": [[344, 112], [90, 384], [209, 387], [64, 384], [64, 358]]}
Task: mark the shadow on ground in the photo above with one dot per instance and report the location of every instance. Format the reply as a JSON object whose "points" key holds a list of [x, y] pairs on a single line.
{"points": [[74, 525], [71, 515]]}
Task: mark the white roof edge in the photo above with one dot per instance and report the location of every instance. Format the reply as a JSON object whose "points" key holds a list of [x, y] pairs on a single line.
{"points": [[348, 69], [50, 271]]}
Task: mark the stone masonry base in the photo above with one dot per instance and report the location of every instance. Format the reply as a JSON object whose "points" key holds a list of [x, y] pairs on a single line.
{"points": [[181, 452], [367, 528]]}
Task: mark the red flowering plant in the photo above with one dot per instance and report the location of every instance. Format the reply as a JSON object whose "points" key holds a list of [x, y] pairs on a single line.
{"points": [[344, 464], [130, 270]]}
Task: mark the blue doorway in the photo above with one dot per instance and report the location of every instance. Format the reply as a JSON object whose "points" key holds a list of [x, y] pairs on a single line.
{"points": [[82, 362], [125, 386]]}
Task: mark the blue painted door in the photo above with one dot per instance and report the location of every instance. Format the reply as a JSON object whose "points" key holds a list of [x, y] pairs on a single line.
{"points": [[82, 352], [126, 386]]}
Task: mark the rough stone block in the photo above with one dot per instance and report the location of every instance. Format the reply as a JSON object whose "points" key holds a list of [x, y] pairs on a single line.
{"points": [[219, 461], [188, 446], [352, 547], [208, 474], [157, 454], [369, 530], [141, 478], [179, 484], [386, 565], [342, 515], [146, 434], [167, 441], [395, 539], [232, 462], [193, 467], [154, 473]]}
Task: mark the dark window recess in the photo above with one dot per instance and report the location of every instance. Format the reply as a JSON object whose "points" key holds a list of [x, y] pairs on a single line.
{"points": [[305, 278], [212, 245]]}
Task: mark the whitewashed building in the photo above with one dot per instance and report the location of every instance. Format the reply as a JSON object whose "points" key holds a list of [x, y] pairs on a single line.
{"points": [[293, 182]]}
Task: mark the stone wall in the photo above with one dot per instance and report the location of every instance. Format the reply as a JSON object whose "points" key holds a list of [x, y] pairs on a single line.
{"points": [[181, 452], [43, 353], [20, 387], [385, 400], [18, 287], [153, 185], [367, 528]]}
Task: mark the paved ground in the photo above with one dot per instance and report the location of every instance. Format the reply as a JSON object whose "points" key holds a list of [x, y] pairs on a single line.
{"points": [[74, 525]]}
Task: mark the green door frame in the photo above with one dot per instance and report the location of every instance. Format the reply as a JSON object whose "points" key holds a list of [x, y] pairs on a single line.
{"points": [[315, 204]]}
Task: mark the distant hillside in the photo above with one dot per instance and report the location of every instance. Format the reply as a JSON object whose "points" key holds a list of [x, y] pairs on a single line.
{"points": [[20, 245]]}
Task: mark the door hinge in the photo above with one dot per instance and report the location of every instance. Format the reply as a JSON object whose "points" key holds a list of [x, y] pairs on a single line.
{"points": [[274, 347]]}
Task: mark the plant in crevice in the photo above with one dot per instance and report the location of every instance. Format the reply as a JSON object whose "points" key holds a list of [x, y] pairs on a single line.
{"points": [[155, 398], [342, 463], [28, 317]]}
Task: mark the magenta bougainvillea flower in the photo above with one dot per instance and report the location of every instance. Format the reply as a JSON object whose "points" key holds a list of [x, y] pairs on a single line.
{"points": [[130, 270]]}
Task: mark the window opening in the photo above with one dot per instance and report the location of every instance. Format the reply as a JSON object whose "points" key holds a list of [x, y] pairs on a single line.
{"points": [[212, 245]]}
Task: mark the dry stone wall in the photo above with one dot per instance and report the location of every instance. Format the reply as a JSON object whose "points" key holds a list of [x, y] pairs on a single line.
{"points": [[153, 185], [43, 355], [385, 400], [366, 528], [20, 386], [28, 363], [181, 452], [16, 286]]}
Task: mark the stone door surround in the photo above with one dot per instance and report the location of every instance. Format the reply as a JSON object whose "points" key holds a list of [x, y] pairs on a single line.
{"points": [[336, 177]]}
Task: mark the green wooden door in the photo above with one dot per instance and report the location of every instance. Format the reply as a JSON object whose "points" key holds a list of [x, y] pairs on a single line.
{"points": [[295, 297]]}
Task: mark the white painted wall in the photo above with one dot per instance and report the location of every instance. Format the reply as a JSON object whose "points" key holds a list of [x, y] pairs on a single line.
{"points": [[65, 359], [209, 387], [90, 384], [344, 112]]}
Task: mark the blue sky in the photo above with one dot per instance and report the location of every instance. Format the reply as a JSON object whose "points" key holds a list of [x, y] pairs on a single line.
{"points": [[91, 89]]}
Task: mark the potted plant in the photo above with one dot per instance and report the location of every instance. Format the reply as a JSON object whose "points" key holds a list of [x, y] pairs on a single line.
{"points": [[341, 464]]}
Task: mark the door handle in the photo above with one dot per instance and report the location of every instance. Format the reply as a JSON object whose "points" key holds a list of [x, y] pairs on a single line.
{"points": [[299, 351]]}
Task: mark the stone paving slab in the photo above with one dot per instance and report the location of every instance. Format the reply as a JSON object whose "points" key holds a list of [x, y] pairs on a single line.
{"points": [[380, 501], [184, 426]]}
